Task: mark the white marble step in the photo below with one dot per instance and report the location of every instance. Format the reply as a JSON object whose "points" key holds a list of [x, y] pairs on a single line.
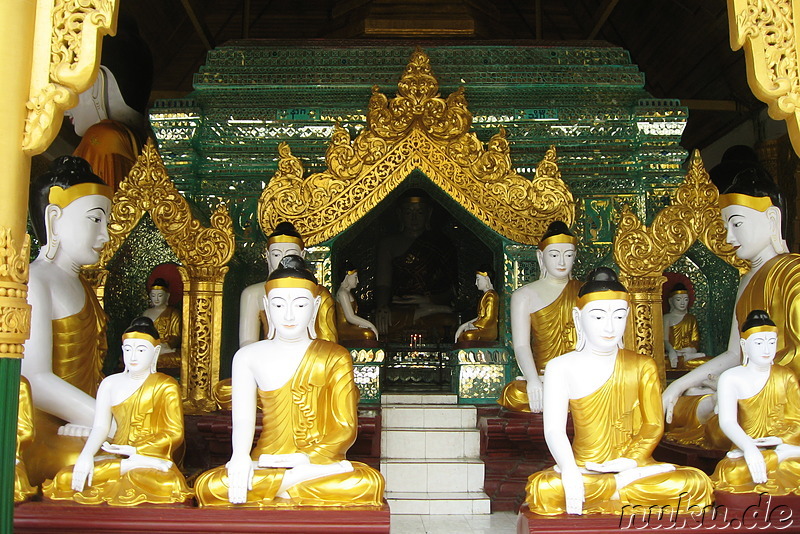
{"points": [[416, 398], [416, 416], [427, 503], [430, 443], [426, 475]]}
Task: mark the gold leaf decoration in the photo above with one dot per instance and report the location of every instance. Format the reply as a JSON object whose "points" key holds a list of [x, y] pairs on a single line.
{"points": [[15, 312], [415, 130]]}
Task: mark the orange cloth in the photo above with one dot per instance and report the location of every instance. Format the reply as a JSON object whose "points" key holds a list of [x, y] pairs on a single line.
{"points": [[111, 148]]}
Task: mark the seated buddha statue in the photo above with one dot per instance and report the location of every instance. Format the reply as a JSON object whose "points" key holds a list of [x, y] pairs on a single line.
{"points": [[752, 211], [349, 326], [69, 208], [416, 275], [541, 318], [759, 411], [167, 321], [22, 487], [681, 333], [308, 399], [614, 398], [482, 328], [138, 465]]}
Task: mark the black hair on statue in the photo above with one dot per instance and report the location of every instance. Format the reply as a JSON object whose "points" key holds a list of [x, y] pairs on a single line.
{"points": [[486, 268], [678, 287], [144, 325], [292, 266], [348, 266], [293, 261], [756, 182], [556, 228], [65, 171], [285, 228], [735, 159], [601, 279], [160, 282], [757, 318], [129, 59]]}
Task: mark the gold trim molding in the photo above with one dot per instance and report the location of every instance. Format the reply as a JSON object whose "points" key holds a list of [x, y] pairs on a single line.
{"points": [[66, 57], [643, 253], [15, 312], [415, 130], [204, 253], [766, 30]]}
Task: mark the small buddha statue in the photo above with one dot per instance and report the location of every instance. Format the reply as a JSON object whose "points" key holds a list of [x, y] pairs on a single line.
{"points": [[541, 318], [613, 396], [759, 411], [681, 333], [146, 406], [167, 321], [22, 487], [69, 208], [482, 328], [349, 326], [752, 211], [308, 400]]}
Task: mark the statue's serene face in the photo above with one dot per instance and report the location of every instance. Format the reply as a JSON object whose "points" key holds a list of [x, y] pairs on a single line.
{"points": [[82, 228], [277, 251], [602, 323], [138, 354], [748, 230], [158, 297], [482, 282], [351, 280], [760, 348], [415, 216], [558, 259], [291, 310], [679, 302]]}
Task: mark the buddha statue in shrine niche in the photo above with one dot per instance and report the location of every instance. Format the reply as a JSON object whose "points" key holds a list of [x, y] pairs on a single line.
{"points": [[69, 209], [349, 326], [308, 397], [681, 332], [167, 321], [482, 328], [759, 411], [138, 466], [613, 396], [541, 318]]}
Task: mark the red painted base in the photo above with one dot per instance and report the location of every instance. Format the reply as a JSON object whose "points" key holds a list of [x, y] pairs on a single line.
{"points": [[51, 518]]}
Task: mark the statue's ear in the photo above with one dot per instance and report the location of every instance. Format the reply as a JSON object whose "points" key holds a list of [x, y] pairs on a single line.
{"points": [[303, 253], [312, 331], [540, 261], [270, 322], [52, 214]]}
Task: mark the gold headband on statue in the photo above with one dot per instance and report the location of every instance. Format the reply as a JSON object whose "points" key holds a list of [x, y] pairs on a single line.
{"points": [[140, 335], [482, 273], [757, 329], [414, 200], [607, 294], [679, 292], [352, 271], [290, 282], [739, 199], [556, 239], [64, 197], [285, 239], [162, 288]]}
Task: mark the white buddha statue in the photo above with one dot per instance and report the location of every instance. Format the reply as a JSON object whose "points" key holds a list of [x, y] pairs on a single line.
{"points": [[349, 326], [482, 328], [681, 331], [167, 321]]}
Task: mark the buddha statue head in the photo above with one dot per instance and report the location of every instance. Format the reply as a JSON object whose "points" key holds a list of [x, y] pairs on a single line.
{"points": [[140, 347], [415, 212], [759, 339], [556, 254], [159, 293], [69, 208], [292, 300], [483, 278], [678, 298], [601, 312], [752, 211], [283, 241], [350, 280]]}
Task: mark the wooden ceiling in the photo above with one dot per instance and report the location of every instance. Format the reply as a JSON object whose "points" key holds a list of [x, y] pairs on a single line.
{"points": [[682, 46]]}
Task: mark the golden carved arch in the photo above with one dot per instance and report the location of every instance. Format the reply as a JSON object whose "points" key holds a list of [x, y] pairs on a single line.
{"points": [[415, 130], [643, 253], [204, 253]]}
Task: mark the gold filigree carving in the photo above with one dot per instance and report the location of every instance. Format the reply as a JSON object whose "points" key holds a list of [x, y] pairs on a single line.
{"points": [[15, 312], [66, 67], [204, 253], [766, 30], [415, 130]]}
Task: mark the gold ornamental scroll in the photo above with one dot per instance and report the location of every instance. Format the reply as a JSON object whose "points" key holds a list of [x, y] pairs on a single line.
{"points": [[415, 130], [204, 253], [643, 253], [767, 32]]}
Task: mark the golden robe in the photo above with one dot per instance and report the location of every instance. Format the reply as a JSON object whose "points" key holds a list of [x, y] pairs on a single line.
{"points": [[25, 432], [773, 411], [315, 413], [552, 334], [168, 325], [623, 418], [686, 334], [774, 288], [151, 420], [79, 349], [111, 148], [351, 332], [486, 323]]}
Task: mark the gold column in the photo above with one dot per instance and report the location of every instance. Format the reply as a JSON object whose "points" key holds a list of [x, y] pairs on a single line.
{"points": [[645, 332]]}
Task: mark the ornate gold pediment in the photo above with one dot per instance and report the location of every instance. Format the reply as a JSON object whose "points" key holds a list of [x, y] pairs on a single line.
{"points": [[415, 130], [693, 215]]}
